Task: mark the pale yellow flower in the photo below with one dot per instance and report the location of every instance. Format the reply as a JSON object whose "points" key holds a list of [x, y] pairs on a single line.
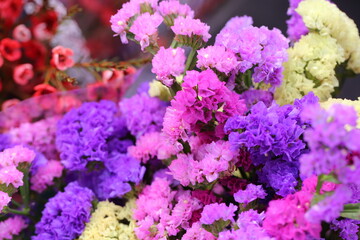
{"points": [[111, 222], [311, 67], [326, 19]]}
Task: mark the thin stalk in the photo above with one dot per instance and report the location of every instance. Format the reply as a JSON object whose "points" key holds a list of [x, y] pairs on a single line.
{"points": [[24, 212], [25, 190], [190, 59]]}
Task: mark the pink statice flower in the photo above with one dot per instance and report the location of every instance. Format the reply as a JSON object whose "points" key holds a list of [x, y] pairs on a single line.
{"points": [[145, 28], [208, 162], [62, 58], [15, 155], [11, 175], [181, 212], [198, 233], [162, 212], [217, 58], [203, 100], [218, 211], [172, 9], [4, 200], [285, 218], [151, 145], [251, 193], [23, 73], [168, 63], [45, 175], [12, 227], [40, 135], [190, 31], [175, 7], [120, 20]]}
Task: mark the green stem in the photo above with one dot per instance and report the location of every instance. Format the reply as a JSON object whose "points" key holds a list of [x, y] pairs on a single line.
{"points": [[190, 59], [174, 44], [24, 190], [24, 212]]}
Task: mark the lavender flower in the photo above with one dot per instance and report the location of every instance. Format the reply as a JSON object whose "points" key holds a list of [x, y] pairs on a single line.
{"points": [[66, 214], [296, 26], [83, 133], [348, 228], [143, 114], [251, 193], [217, 211]]}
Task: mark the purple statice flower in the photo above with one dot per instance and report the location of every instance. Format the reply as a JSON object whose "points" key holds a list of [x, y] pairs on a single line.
{"points": [[209, 162], [348, 228], [217, 58], [216, 212], [143, 114], [259, 48], [198, 233], [274, 130], [114, 181], [190, 31], [333, 141], [145, 28], [251, 193], [82, 134], [39, 135], [12, 227], [66, 214], [280, 175], [5, 141], [296, 26], [253, 96], [285, 218], [330, 208], [226, 37], [203, 100], [168, 63], [174, 8], [250, 227]]}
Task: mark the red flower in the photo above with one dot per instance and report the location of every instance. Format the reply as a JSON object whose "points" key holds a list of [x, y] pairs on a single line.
{"points": [[23, 73], [36, 52], [10, 49], [61, 58], [45, 25], [10, 10], [43, 89], [22, 33]]}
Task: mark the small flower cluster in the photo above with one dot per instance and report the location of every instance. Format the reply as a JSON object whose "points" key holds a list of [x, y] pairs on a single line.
{"points": [[13, 163]]}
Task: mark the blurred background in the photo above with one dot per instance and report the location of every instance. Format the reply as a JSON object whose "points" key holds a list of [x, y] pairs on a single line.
{"points": [[94, 22]]}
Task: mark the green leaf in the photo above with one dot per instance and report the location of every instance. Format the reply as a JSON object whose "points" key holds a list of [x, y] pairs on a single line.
{"points": [[351, 211]]}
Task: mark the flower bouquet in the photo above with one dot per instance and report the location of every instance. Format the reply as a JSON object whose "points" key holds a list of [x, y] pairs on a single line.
{"points": [[241, 139]]}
